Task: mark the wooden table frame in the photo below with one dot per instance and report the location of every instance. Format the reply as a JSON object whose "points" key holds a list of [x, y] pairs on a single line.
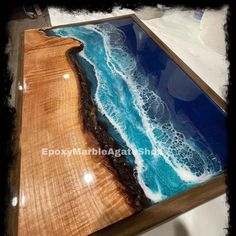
{"points": [[171, 208]]}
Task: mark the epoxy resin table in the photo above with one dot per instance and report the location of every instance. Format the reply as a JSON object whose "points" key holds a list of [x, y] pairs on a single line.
{"points": [[117, 133]]}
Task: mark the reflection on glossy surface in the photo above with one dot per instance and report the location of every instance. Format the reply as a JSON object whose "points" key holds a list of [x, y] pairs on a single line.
{"points": [[66, 76], [14, 201], [88, 178], [55, 198], [23, 200], [22, 87], [147, 101]]}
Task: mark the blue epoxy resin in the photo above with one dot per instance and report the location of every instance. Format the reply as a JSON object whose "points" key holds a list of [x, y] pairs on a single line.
{"points": [[149, 103]]}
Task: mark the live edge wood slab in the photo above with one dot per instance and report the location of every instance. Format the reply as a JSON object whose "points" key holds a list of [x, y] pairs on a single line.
{"points": [[54, 196]]}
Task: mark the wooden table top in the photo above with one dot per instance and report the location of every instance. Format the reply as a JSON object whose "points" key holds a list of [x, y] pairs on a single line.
{"points": [[60, 195], [80, 194]]}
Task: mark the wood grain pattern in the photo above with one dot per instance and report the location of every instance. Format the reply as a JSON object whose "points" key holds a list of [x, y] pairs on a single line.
{"points": [[54, 199]]}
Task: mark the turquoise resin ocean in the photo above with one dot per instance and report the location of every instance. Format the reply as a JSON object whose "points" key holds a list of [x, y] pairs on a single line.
{"points": [[149, 103]]}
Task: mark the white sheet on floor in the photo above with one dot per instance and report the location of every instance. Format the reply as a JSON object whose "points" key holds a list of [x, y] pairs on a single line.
{"points": [[209, 219]]}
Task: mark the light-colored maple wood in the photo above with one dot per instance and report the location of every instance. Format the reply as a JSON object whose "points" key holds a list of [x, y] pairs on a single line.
{"points": [[54, 197]]}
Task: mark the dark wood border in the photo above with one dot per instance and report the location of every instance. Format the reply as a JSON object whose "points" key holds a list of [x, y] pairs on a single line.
{"points": [[171, 208], [14, 175]]}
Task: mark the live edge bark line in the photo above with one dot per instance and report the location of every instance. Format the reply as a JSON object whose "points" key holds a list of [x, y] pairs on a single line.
{"points": [[119, 165]]}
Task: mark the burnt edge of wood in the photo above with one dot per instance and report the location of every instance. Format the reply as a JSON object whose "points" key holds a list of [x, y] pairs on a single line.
{"points": [[119, 165]]}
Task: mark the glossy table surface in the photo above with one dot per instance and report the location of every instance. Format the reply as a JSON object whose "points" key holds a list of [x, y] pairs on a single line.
{"points": [[148, 102], [60, 195], [80, 194]]}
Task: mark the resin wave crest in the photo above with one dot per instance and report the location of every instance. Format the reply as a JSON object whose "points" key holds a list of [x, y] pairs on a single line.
{"points": [[140, 116]]}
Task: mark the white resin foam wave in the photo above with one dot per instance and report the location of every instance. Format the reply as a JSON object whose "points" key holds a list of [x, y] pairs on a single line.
{"points": [[190, 163], [145, 100]]}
